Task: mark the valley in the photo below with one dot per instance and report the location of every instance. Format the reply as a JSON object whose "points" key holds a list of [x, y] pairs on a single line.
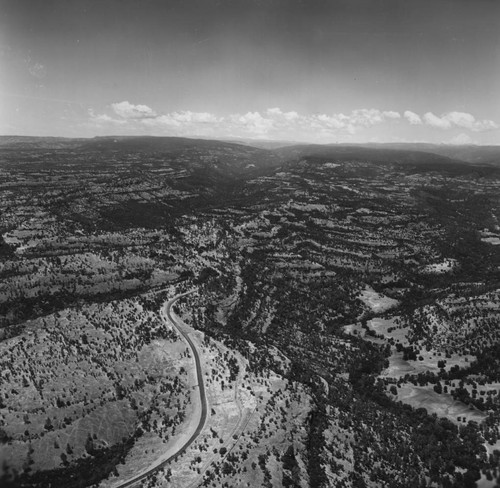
{"points": [[182, 312]]}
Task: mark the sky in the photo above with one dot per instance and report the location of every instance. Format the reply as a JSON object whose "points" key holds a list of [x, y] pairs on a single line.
{"points": [[322, 71]]}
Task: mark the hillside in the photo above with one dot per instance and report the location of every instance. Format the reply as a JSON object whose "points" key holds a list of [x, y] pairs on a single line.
{"points": [[484, 155], [343, 303]]}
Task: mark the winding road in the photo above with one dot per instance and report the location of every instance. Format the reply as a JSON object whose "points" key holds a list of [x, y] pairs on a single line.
{"points": [[167, 310]]}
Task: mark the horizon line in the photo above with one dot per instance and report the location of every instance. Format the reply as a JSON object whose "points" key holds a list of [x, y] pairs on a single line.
{"points": [[243, 139]]}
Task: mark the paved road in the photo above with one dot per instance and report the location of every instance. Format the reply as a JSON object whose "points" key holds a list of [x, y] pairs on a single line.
{"points": [[203, 397]]}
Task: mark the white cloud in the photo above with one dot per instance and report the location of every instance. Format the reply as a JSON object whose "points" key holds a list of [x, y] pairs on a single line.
{"points": [[390, 114], [252, 123], [279, 124], [459, 119], [184, 120], [274, 111], [368, 117], [129, 111], [189, 117], [468, 121], [250, 118], [462, 139], [412, 117], [435, 121], [274, 123], [277, 114], [161, 121], [103, 119], [330, 121], [486, 125], [291, 115]]}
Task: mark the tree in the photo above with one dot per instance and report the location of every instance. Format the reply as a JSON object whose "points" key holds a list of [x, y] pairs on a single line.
{"points": [[48, 424], [64, 458], [89, 445]]}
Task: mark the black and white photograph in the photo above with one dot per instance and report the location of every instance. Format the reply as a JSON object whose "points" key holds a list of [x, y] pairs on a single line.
{"points": [[249, 243]]}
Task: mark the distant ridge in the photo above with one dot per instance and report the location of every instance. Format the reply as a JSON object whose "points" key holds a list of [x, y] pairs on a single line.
{"points": [[149, 143], [478, 155], [113, 142], [263, 144], [38, 142], [208, 159], [469, 153], [380, 154]]}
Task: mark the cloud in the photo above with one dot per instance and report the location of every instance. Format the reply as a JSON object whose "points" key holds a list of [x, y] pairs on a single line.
{"points": [[435, 121], [468, 121], [276, 112], [273, 123], [160, 121], [189, 117], [103, 119], [459, 119], [130, 111], [186, 119], [276, 123], [412, 117], [253, 123], [330, 121], [462, 139], [391, 114], [368, 117]]}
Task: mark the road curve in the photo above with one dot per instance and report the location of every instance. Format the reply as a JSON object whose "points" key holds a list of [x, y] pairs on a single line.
{"points": [[201, 388]]}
